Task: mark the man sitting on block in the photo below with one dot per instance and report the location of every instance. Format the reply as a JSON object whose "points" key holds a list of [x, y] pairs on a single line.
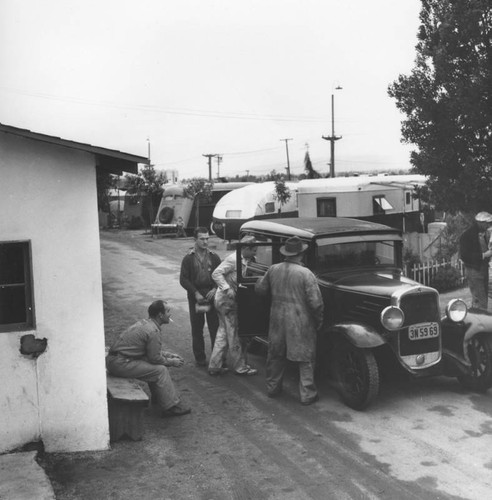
{"points": [[137, 353]]}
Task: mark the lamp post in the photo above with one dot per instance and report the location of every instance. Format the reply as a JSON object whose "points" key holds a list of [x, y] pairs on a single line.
{"points": [[332, 138]]}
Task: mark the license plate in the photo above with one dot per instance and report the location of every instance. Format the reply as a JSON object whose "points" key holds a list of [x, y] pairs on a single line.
{"points": [[423, 331]]}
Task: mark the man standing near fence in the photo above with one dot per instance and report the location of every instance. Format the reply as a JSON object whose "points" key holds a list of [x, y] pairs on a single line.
{"points": [[475, 254]]}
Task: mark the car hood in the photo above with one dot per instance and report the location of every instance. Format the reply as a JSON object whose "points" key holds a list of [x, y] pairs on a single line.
{"points": [[375, 282]]}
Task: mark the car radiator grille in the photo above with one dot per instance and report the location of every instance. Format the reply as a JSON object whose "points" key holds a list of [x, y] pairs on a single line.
{"points": [[419, 308]]}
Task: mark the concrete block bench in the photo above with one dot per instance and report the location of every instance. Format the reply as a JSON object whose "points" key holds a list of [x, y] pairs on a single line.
{"points": [[126, 401]]}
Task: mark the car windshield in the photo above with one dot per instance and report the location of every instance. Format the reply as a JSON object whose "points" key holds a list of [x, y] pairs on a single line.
{"points": [[354, 254]]}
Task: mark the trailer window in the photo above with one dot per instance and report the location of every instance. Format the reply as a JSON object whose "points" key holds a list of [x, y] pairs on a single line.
{"points": [[326, 207], [16, 307], [269, 207], [380, 204]]}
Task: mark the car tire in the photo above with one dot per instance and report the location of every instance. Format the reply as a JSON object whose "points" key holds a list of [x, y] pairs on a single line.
{"points": [[356, 374], [480, 355]]}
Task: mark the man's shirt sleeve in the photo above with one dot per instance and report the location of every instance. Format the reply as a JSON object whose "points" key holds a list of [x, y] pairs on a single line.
{"points": [[185, 275], [226, 266], [154, 348]]}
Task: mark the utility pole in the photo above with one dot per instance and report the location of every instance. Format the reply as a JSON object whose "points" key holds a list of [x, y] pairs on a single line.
{"points": [[219, 159], [287, 151], [332, 138], [210, 156]]}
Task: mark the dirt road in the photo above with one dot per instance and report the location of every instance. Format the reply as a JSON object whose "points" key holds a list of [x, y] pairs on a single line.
{"points": [[425, 439]]}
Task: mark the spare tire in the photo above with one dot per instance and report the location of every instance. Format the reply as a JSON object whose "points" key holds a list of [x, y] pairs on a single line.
{"points": [[166, 215]]}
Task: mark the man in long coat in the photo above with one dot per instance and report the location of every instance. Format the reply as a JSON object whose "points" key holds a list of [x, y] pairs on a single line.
{"points": [[296, 315]]}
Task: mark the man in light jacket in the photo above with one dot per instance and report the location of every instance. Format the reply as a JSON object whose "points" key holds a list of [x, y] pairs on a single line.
{"points": [[227, 340], [296, 315], [475, 254]]}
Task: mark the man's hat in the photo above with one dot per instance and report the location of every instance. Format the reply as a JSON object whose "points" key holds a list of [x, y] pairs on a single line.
{"points": [[251, 240], [483, 217], [293, 246]]}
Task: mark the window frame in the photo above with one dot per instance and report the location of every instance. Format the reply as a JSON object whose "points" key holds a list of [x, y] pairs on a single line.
{"points": [[328, 200], [378, 202], [28, 285]]}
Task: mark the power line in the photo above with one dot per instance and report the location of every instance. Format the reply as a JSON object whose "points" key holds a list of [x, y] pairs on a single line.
{"points": [[173, 111]]}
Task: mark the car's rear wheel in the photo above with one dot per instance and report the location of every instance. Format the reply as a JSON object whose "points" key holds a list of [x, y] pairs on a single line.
{"points": [[356, 375], [480, 355]]}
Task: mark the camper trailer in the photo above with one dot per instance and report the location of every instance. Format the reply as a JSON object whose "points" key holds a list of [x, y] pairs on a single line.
{"points": [[204, 208], [386, 199], [256, 201], [174, 210]]}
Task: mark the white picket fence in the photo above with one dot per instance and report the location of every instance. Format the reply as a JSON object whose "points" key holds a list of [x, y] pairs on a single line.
{"points": [[425, 272]]}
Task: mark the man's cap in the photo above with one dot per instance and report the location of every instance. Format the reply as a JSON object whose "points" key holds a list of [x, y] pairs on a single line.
{"points": [[483, 217], [293, 246], [250, 240]]}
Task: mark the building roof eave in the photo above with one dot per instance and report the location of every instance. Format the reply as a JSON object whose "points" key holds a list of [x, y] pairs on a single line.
{"points": [[111, 160]]}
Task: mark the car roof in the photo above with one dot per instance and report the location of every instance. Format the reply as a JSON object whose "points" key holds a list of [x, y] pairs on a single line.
{"points": [[312, 227]]}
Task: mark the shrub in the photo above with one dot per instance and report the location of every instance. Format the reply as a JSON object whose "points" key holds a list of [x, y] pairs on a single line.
{"points": [[410, 259], [446, 278]]}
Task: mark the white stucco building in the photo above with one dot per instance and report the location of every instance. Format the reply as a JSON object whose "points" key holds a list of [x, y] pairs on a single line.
{"points": [[50, 288]]}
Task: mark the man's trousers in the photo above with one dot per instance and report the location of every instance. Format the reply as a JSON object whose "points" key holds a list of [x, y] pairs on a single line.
{"points": [[275, 368], [197, 322], [158, 377], [478, 282]]}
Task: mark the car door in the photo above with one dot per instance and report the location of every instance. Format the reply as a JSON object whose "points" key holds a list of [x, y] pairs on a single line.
{"points": [[253, 309]]}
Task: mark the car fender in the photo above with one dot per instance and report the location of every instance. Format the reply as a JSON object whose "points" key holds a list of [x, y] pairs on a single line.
{"points": [[475, 323], [362, 336]]}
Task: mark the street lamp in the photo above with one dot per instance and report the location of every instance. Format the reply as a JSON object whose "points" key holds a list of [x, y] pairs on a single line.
{"points": [[332, 138]]}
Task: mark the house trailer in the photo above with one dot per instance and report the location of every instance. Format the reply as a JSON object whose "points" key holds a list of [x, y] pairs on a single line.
{"points": [[256, 201], [386, 199]]}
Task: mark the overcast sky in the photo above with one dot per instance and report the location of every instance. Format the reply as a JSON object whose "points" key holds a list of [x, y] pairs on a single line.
{"points": [[226, 77]]}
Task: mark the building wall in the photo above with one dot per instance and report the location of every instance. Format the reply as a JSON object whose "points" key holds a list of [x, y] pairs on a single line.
{"points": [[49, 198]]}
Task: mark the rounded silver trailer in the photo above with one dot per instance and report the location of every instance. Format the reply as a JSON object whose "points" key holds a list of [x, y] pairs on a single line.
{"points": [[256, 201]]}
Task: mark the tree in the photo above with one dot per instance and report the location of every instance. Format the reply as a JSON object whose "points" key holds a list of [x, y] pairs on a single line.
{"points": [[447, 100], [282, 193], [198, 189], [105, 182], [308, 168], [148, 185]]}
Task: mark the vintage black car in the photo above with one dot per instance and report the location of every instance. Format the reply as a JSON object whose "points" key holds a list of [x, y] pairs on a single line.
{"points": [[376, 319]]}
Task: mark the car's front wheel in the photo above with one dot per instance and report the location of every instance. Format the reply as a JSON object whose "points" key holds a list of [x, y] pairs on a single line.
{"points": [[480, 354], [356, 374]]}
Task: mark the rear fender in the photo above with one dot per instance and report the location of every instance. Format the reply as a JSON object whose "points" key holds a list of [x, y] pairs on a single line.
{"points": [[362, 336]]}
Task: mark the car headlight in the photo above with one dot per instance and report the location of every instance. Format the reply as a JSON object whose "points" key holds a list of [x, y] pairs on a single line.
{"points": [[456, 310], [392, 318]]}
